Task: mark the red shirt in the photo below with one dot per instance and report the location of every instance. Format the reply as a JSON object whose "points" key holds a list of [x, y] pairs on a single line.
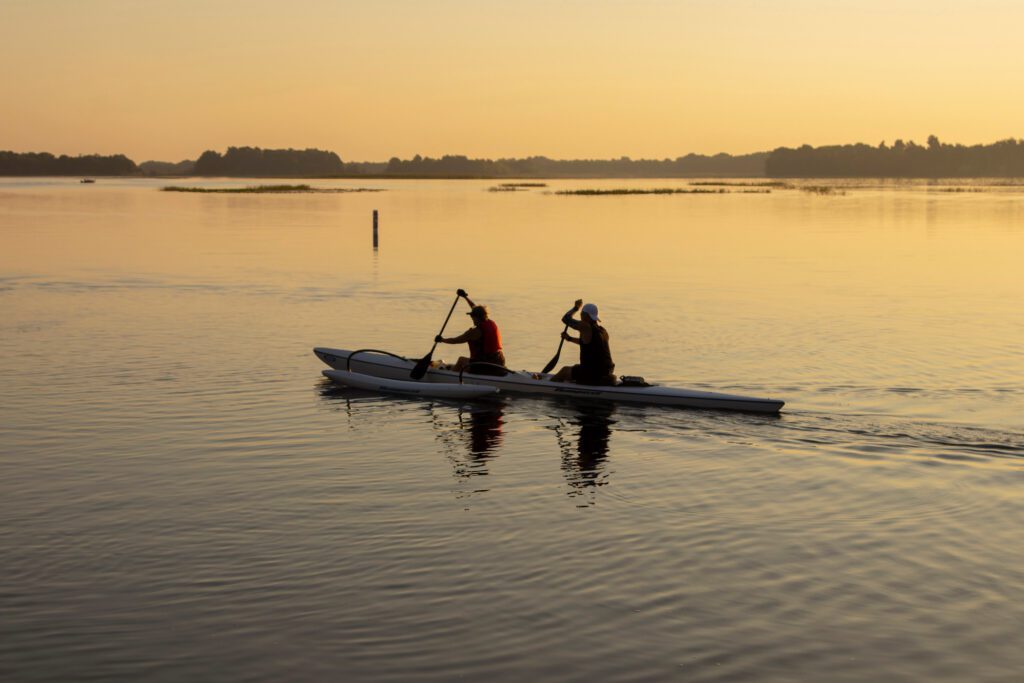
{"points": [[489, 342]]}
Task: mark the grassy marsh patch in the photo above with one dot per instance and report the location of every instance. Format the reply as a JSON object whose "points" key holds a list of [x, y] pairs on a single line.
{"points": [[823, 190], [268, 189], [724, 183], [514, 187], [655, 190]]}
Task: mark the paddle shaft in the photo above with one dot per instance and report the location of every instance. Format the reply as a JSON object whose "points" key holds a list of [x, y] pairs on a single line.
{"points": [[450, 311], [551, 364], [421, 366]]}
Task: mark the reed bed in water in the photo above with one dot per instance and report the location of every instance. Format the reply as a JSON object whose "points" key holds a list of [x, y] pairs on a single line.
{"points": [[822, 189], [514, 187], [659, 190], [654, 190], [724, 183], [268, 189]]}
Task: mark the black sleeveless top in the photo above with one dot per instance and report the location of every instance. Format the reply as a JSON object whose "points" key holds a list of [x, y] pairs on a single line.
{"points": [[596, 357]]}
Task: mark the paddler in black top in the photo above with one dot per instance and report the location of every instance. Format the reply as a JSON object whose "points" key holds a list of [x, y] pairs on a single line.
{"points": [[484, 341], [596, 366]]}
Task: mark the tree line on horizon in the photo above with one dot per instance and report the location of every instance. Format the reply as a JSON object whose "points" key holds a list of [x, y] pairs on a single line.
{"points": [[1004, 158], [691, 165], [256, 162], [46, 164], [936, 159]]}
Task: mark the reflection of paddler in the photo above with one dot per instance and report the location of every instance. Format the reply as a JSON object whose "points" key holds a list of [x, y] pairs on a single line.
{"points": [[585, 469], [484, 341], [481, 438], [484, 432], [595, 432]]}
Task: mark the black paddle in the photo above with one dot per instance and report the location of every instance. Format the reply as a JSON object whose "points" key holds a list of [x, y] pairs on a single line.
{"points": [[551, 364], [424, 363]]}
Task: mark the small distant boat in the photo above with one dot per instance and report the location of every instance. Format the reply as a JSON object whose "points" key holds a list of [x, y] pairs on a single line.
{"points": [[87, 180]]}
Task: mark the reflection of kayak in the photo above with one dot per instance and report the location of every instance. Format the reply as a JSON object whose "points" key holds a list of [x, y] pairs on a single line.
{"points": [[358, 380], [381, 365]]}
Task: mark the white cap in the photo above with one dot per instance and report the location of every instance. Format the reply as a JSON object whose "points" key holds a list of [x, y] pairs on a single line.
{"points": [[591, 310]]}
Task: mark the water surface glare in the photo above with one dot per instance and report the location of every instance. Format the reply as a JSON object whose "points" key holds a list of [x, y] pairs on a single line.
{"points": [[182, 496]]}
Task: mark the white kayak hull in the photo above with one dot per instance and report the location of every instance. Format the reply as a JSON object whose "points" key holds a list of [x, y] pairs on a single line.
{"points": [[358, 380], [384, 366]]}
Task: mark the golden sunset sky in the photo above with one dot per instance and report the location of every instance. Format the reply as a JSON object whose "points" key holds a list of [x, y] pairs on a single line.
{"points": [[566, 79]]}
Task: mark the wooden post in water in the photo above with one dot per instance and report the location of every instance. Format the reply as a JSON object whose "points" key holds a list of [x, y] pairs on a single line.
{"points": [[375, 228]]}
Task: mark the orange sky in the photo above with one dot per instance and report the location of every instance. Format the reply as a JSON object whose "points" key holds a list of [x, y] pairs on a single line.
{"points": [[567, 79]]}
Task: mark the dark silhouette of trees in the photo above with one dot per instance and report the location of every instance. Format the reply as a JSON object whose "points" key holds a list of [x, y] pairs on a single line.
{"points": [[256, 162], [935, 159], [44, 164], [1004, 158], [692, 165], [165, 168]]}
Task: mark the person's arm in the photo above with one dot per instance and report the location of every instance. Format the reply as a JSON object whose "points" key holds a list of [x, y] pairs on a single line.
{"points": [[472, 334], [465, 296], [569, 338], [567, 319]]}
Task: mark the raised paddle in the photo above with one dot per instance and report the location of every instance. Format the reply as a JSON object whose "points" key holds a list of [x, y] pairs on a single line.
{"points": [[551, 364], [424, 363]]}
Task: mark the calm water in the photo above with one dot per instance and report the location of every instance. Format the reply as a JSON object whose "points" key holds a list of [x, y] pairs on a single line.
{"points": [[183, 498]]}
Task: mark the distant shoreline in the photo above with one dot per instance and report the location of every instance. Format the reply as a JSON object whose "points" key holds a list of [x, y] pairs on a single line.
{"points": [[905, 160], [709, 176], [381, 176]]}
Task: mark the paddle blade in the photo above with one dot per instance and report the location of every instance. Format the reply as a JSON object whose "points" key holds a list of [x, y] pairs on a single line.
{"points": [[421, 366]]}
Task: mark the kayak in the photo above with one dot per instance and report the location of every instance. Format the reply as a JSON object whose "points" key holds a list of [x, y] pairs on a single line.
{"points": [[358, 380], [384, 365]]}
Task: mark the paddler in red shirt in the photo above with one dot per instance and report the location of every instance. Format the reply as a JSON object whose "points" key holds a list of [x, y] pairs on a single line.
{"points": [[484, 341]]}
